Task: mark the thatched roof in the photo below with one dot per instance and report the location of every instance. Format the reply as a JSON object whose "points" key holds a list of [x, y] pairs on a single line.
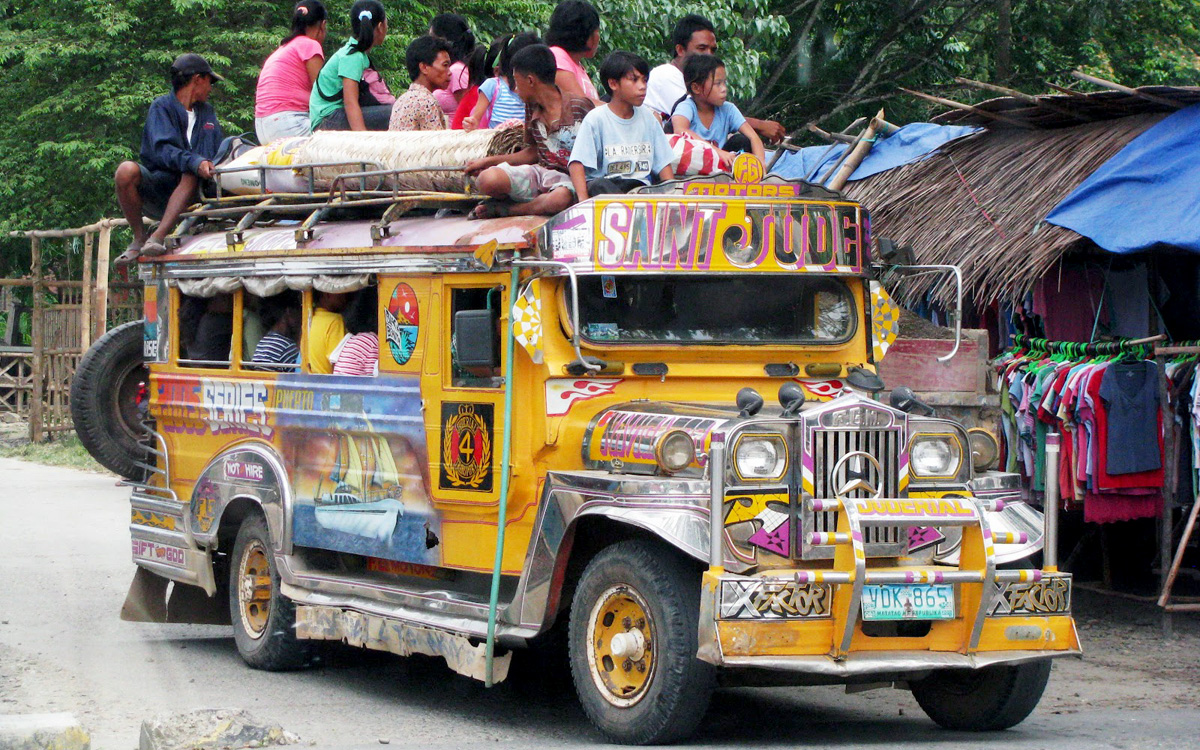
{"points": [[979, 202]]}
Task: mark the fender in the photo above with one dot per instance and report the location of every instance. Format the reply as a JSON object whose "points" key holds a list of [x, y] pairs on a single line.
{"points": [[674, 510], [1016, 516], [251, 471]]}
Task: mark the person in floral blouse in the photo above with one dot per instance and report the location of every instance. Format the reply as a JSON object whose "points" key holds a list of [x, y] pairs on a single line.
{"points": [[428, 61]]}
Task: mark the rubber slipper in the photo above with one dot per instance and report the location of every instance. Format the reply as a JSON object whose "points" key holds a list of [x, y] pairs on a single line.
{"points": [[129, 256], [489, 210], [153, 248]]}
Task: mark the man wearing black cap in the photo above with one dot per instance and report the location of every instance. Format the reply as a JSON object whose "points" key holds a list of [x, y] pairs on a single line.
{"points": [[179, 142]]}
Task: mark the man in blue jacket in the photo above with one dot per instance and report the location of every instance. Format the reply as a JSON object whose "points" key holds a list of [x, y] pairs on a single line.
{"points": [[179, 142]]}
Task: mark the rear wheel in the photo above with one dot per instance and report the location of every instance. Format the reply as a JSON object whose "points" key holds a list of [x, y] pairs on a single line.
{"points": [[264, 620], [105, 400], [632, 645], [983, 700]]}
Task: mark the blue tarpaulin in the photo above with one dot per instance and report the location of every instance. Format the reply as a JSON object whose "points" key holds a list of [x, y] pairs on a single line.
{"points": [[910, 143], [1148, 194]]}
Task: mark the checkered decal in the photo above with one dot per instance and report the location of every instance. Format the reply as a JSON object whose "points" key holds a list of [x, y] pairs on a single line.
{"points": [[527, 320], [885, 320]]}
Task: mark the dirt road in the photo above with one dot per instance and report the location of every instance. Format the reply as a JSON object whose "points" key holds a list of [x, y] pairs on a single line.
{"points": [[66, 567]]}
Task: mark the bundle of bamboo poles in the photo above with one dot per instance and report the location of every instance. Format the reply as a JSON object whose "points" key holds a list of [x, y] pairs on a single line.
{"points": [[433, 158]]}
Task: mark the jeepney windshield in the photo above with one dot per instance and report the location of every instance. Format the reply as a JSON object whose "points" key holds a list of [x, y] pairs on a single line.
{"points": [[758, 308]]}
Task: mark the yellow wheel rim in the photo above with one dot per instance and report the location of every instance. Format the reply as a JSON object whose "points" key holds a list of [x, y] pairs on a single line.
{"points": [[621, 646], [254, 589]]}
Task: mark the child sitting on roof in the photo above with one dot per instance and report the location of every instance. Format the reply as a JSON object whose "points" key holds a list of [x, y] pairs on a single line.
{"points": [[498, 101], [705, 114], [534, 181], [621, 146]]}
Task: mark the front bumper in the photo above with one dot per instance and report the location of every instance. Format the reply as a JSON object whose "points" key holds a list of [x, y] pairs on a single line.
{"points": [[777, 622]]}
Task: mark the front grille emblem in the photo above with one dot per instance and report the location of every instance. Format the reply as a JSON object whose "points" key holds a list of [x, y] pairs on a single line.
{"points": [[858, 471]]}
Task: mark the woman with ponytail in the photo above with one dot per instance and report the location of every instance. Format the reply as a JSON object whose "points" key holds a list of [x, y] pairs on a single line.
{"points": [[336, 100], [286, 80]]}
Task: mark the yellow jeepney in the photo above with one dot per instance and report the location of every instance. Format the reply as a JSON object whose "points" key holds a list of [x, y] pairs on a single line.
{"points": [[648, 423]]}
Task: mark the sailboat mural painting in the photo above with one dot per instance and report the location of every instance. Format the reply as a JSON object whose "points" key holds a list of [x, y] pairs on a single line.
{"points": [[359, 486]]}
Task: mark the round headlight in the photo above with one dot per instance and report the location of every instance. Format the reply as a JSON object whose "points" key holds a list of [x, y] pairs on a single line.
{"points": [[760, 457], [985, 451], [934, 456], [675, 451]]}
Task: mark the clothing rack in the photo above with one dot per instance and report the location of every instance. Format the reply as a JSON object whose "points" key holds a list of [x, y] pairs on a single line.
{"points": [[1170, 554], [1166, 530]]}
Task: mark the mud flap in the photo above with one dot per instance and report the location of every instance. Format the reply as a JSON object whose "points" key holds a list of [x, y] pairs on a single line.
{"points": [[147, 598], [148, 601]]}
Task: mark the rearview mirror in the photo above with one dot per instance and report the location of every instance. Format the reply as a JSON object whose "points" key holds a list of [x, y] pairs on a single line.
{"points": [[476, 338]]}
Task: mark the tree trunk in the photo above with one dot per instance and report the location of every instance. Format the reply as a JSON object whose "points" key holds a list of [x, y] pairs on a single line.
{"points": [[1004, 39]]}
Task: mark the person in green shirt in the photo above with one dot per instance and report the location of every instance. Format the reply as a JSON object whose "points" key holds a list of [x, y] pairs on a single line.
{"points": [[334, 104]]}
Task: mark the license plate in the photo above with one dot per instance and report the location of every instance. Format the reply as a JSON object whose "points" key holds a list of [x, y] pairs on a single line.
{"points": [[908, 601]]}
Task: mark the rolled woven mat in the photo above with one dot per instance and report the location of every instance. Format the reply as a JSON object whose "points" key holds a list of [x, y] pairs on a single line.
{"points": [[408, 150]]}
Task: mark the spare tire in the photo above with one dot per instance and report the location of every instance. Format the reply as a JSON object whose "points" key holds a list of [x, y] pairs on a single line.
{"points": [[106, 396]]}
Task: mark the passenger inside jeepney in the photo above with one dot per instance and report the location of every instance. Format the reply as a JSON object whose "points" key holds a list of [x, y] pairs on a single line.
{"points": [[358, 353], [326, 330], [277, 349], [206, 330]]}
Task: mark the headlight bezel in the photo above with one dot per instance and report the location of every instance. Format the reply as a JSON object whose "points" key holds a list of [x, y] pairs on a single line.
{"points": [[951, 440], [782, 458], [994, 446], [661, 448]]}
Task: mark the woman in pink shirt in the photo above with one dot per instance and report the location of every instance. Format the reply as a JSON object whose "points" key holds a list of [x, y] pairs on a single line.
{"points": [[454, 29], [286, 80], [574, 34]]}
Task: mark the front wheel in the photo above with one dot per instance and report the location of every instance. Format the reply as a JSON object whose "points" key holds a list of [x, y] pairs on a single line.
{"points": [[264, 620], [983, 700], [632, 643]]}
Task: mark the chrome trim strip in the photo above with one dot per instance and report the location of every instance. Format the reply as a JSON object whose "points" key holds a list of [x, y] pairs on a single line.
{"points": [[890, 662]]}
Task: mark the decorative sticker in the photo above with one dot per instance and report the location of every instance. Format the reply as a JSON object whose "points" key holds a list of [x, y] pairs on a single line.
{"points": [[466, 447], [358, 479], [747, 168], [768, 509], [527, 320], [562, 393], [608, 286], [885, 320], [403, 323]]}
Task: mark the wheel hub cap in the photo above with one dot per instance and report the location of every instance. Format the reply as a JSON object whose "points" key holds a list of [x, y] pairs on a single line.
{"points": [[254, 589], [621, 646]]}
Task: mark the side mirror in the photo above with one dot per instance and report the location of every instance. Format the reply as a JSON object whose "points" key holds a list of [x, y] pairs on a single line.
{"points": [[905, 400], [475, 338], [894, 254], [791, 398], [749, 401], [865, 380]]}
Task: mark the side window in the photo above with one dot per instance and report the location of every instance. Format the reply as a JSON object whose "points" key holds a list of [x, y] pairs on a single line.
{"points": [[343, 337], [475, 337], [205, 331], [271, 332]]}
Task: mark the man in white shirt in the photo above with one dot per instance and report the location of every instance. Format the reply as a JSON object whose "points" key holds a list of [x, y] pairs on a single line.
{"points": [[693, 35]]}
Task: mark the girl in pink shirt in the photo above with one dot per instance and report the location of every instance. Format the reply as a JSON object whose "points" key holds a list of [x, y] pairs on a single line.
{"points": [[286, 80], [574, 34]]}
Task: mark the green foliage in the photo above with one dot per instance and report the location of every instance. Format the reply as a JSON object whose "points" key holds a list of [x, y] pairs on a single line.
{"points": [[747, 33]]}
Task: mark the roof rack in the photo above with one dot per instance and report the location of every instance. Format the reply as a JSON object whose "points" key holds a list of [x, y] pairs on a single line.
{"points": [[377, 190]]}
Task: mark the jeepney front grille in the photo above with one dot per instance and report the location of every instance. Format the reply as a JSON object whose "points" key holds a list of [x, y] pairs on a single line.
{"points": [[828, 446]]}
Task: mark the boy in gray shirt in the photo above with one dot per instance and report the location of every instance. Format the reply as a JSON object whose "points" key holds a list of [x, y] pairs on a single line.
{"points": [[620, 146]]}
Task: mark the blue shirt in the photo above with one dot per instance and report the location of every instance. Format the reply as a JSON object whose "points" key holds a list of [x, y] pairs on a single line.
{"points": [[633, 149], [165, 143], [505, 105], [726, 120]]}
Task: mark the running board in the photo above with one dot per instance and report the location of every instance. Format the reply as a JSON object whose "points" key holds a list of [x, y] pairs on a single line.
{"points": [[398, 637]]}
